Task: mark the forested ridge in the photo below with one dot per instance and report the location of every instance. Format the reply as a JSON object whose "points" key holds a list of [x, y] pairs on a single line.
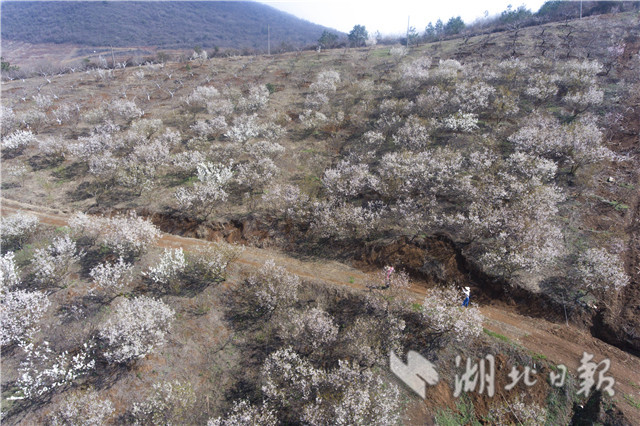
{"points": [[163, 24]]}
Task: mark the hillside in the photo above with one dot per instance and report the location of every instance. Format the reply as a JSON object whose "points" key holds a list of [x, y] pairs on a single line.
{"points": [[167, 25], [504, 162]]}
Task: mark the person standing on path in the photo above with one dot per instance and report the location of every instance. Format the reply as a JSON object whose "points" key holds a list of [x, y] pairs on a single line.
{"points": [[467, 294], [387, 279]]}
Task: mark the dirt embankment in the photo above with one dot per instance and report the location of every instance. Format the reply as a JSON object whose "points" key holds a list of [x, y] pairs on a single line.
{"points": [[437, 259]]}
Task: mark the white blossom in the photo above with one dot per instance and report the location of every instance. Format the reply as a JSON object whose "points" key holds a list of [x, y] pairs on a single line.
{"points": [[104, 165], [210, 262], [416, 72], [82, 408], [580, 74], [20, 314], [15, 171], [272, 287], [8, 120], [244, 127], [142, 130], [575, 144], [600, 270], [203, 197], [210, 127], [53, 146], [342, 220], [95, 144], [17, 141], [135, 328], [64, 113], [474, 97], [125, 109], [169, 403], [326, 81], [433, 102], [33, 119], [442, 309], [43, 370], [316, 100], [583, 99], [201, 96], [447, 70], [172, 263], [257, 174], [412, 135], [256, 99], [373, 138], [287, 200], [311, 119], [542, 85], [112, 277], [126, 234], [313, 328], [348, 180], [9, 277], [43, 102], [263, 149], [17, 228], [461, 122], [345, 395], [187, 161], [245, 414], [507, 414], [398, 52], [52, 264]]}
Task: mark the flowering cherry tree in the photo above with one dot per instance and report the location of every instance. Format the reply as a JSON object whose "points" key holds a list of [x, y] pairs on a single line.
{"points": [[20, 314], [244, 413], [172, 263], [205, 195], [348, 180], [308, 330], [111, 278], [269, 291], [126, 235], [135, 328], [442, 309], [599, 270], [575, 144], [359, 395], [53, 264], [210, 263], [17, 141], [82, 407], [342, 220], [9, 277], [168, 403], [43, 370], [413, 135]]}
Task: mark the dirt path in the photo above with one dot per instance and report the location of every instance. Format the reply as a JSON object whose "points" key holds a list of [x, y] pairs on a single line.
{"points": [[560, 344]]}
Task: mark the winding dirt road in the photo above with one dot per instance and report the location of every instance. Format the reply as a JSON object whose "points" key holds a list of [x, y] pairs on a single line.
{"points": [[559, 343]]}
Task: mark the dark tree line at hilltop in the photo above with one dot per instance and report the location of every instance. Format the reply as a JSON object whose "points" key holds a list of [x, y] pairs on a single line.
{"points": [[229, 24]]}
